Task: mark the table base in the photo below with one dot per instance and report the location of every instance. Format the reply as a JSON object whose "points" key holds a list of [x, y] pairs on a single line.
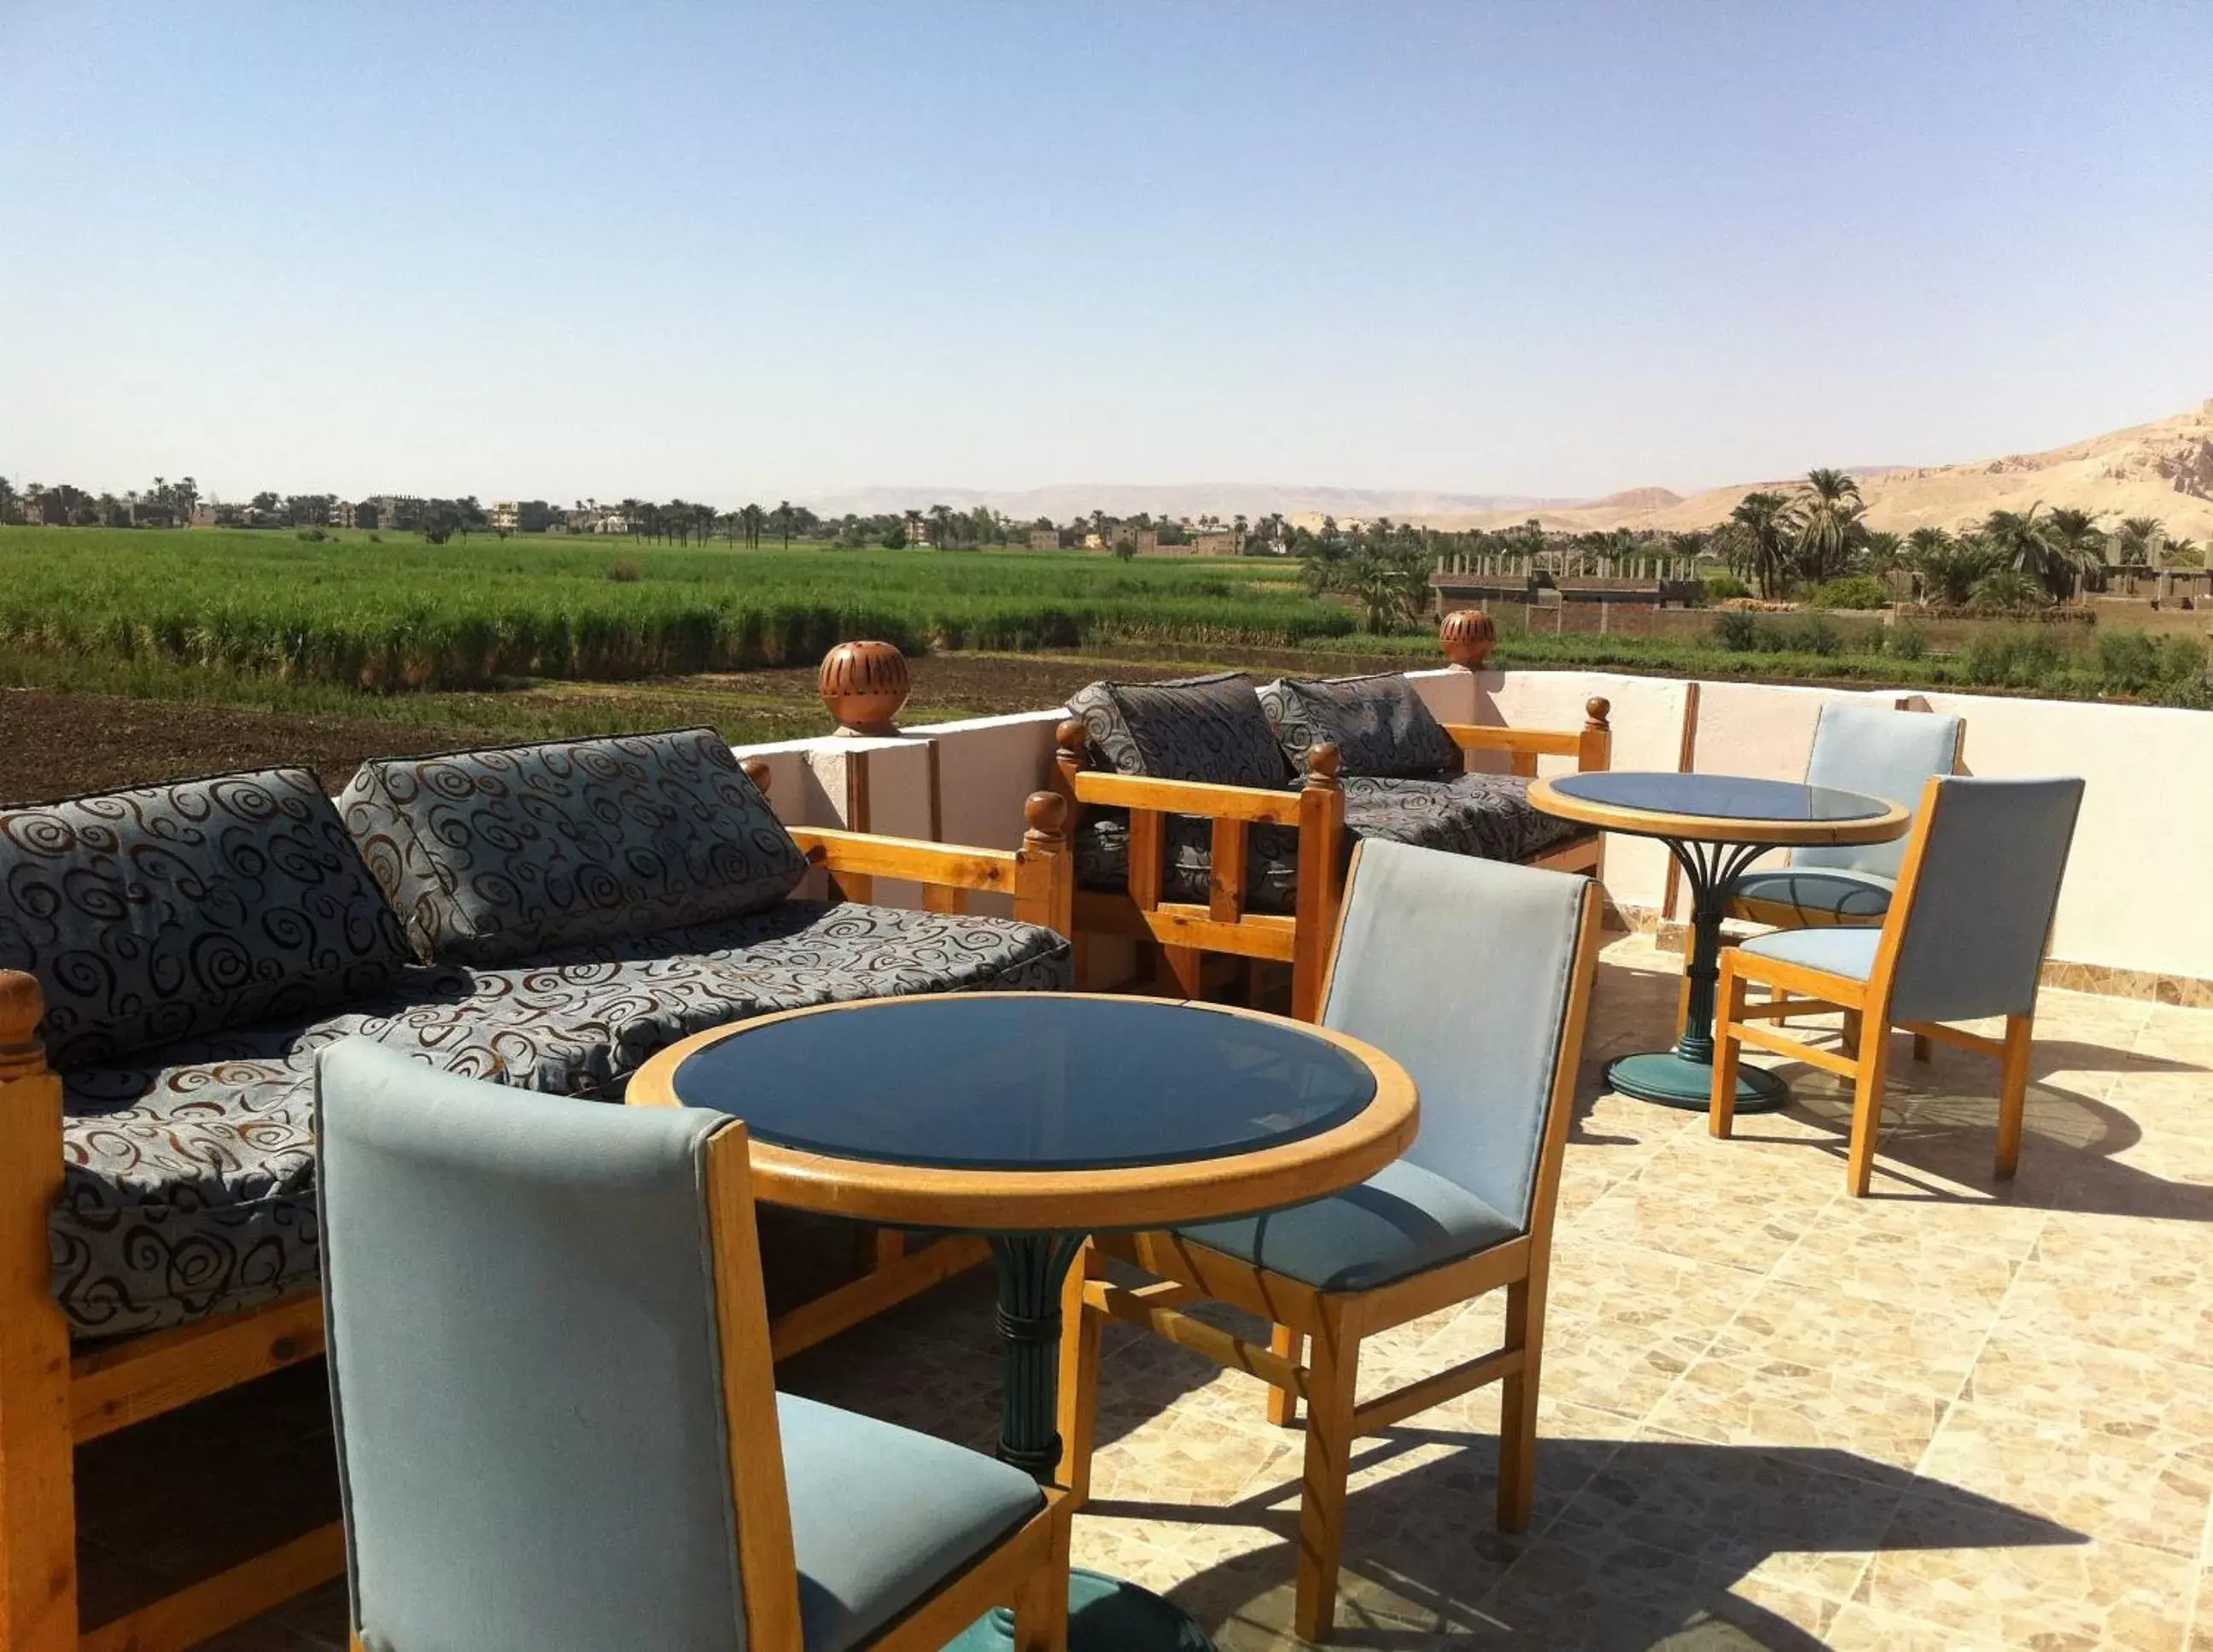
{"points": [[1670, 1080], [1103, 1615]]}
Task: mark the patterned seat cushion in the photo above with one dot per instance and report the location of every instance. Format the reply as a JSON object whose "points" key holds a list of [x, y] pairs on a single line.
{"points": [[492, 856], [811, 952], [1206, 728], [1487, 815], [171, 910], [1380, 725], [188, 1182]]}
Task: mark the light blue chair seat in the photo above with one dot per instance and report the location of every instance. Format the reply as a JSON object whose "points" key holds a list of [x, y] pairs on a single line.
{"points": [[1401, 1221], [1819, 894], [1840, 952], [881, 1515]]}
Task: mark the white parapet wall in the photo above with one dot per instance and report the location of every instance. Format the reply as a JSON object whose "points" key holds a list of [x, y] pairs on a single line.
{"points": [[2135, 914]]}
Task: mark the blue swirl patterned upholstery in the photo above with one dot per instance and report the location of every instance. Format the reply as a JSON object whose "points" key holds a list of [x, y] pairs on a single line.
{"points": [[150, 915], [492, 855], [1380, 726], [188, 1177]]}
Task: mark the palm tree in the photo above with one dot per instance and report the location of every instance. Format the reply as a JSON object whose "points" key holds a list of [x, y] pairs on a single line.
{"points": [[1827, 511], [2025, 543], [2183, 553], [1761, 523], [2077, 538], [2135, 540]]}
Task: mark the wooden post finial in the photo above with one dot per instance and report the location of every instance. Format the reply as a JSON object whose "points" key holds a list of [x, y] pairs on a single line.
{"points": [[1321, 764], [756, 769], [1073, 738], [1597, 709], [1046, 815], [22, 1007]]}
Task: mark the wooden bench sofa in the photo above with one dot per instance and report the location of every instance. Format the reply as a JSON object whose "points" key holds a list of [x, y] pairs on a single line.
{"points": [[171, 958], [1211, 816]]}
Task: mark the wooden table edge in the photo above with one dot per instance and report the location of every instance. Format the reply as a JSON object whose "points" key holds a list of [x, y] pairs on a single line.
{"points": [[1134, 1197], [1723, 828]]}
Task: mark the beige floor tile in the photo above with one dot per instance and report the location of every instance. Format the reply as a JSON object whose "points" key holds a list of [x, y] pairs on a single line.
{"points": [[1928, 1342], [1874, 1428], [1739, 1235], [2152, 1490], [2145, 1309], [1862, 1629], [2059, 1591], [2090, 1390]]}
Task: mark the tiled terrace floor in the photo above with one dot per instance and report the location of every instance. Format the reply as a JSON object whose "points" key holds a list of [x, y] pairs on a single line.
{"points": [[1950, 1416]]}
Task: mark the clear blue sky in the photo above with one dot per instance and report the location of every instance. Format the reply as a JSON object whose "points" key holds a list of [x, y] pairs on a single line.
{"points": [[733, 252]]}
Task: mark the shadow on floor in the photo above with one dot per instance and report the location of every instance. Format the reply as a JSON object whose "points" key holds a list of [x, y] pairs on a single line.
{"points": [[1638, 1543]]}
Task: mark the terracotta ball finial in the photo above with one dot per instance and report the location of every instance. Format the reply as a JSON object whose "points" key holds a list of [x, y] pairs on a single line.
{"points": [[1467, 636], [864, 684]]}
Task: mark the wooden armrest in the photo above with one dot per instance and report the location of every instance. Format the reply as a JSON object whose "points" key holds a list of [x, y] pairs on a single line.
{"points": [[1543, 742], [916, 860], [1251, 803]]}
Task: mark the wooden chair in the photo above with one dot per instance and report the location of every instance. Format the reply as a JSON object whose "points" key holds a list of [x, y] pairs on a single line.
{"points": [[1493, 1035], [53, 1398], [557, 1415], [1186, 931], [1965, 939]]}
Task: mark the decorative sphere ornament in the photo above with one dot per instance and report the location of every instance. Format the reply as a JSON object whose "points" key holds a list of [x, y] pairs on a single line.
{"points": [[864, 684], [1468, 636]]}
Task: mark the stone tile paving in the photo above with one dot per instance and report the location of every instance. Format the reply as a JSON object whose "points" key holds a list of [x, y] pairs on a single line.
{"points": [[1954, 1415]]}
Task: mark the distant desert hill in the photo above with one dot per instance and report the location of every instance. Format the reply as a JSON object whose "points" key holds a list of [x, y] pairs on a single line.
{"points": [[2163, 470]]}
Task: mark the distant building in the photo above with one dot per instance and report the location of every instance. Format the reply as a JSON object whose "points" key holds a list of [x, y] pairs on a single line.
{"points": [[521, 516], [45, 510], [204, 513], [390, 511], [1222, 543], [917, 530], [1044, 539], [342, 515]]}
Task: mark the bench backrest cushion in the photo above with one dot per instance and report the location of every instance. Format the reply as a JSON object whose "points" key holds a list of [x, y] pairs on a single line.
{"points": [[1205, 728], [169, 911], [1380, 726], [490, 856]]}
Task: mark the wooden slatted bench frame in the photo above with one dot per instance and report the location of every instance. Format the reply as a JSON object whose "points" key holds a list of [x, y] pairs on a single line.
{"points": [[52, 1400], [1186, 931]]}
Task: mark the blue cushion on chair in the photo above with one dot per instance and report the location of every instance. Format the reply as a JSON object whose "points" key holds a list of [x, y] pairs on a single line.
{"points": [[1400, 1220], [1819, 894], [881, 1516], [1840, 952]]}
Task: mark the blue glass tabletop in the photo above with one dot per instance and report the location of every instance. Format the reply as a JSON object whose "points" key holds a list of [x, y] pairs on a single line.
{"points": [[1027, 1081], [1720, 796]]}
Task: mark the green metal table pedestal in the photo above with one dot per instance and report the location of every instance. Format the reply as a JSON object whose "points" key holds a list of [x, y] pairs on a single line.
{"points": [[1684, 1076], [1105, 1614]]}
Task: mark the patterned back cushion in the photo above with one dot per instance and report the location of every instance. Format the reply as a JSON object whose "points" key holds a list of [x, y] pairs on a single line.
{"points": [[494, 856], [1379, 725], [173, 910], [1209, 728]]}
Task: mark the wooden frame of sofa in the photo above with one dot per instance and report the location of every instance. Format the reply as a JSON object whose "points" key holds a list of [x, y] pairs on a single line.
{"points": [[52, 1400], [1186, 931]]}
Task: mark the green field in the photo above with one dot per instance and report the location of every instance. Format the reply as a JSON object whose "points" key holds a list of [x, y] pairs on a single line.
{"points": [[405, 614]]}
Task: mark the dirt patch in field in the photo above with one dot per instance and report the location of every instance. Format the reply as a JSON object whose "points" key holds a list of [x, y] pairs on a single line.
{"points": [[60, 745]]}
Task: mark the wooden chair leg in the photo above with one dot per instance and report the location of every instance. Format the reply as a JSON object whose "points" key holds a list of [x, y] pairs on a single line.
{"points": [[2013, 1091], [1283, 1404], [1922, 1047], [1080, 1330], [1867, 1083], [1333, 1374], [1728, 1010], [1184, 968], [1852, 1033], [1041, 1609], [1517, 1410]]}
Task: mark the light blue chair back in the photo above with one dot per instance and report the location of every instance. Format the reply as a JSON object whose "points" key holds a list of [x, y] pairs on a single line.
{"points": [[1880, 752], [1462, 970], [525, 1368], [1978, 913]]}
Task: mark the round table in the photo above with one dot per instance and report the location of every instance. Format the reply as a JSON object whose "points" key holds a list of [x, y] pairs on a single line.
{"points": [[1715, 825], [1038, 1118]]}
